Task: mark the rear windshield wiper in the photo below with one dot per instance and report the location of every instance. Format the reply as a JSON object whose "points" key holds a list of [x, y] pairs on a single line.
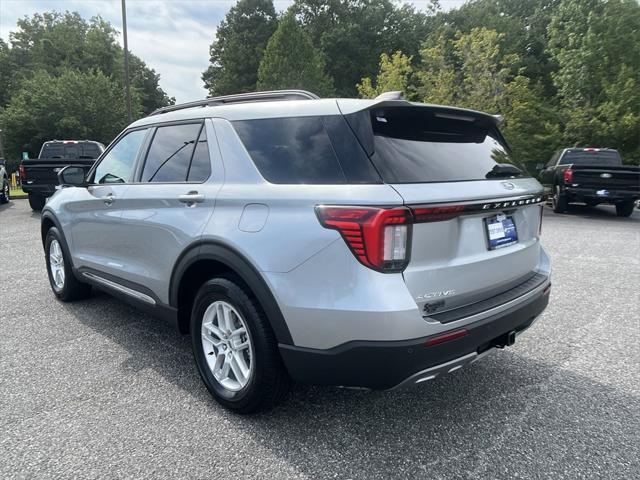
{"points": [[504, 170]]}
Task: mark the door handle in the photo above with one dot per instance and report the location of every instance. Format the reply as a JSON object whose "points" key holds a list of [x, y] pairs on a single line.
{"points": [[191, 198], [108, 200]]}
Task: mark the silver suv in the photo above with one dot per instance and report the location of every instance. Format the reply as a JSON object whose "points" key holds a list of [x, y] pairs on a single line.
{"points": [[362, 243]]}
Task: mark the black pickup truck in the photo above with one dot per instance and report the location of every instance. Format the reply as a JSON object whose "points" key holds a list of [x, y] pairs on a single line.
{"points": [[39, 176], [592, 176]]}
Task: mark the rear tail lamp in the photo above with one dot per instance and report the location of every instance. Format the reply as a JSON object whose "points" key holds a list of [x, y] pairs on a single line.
{"points": [[568, 176], [23, 172], [378, 237]]}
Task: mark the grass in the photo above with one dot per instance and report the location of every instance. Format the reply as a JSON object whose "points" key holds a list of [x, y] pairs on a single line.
{"points": [[17, 193]]}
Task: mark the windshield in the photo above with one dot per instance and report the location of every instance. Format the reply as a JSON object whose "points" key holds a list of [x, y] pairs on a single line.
{"points": [[591, 157], [418, 145]]}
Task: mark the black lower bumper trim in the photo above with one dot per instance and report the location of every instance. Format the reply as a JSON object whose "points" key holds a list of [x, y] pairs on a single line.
{"points": [[383, 365]]}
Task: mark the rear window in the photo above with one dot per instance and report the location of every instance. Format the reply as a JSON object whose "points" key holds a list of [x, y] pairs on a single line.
{"points": [[591, 157], [418, 145], [307, 150], [70, 151]]}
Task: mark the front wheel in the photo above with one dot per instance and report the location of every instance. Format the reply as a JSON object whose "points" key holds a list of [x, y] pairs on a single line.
{"points": [[5, 193], [64, 284], [36, 202], [624, 209], [234, 348], [559, 201]]}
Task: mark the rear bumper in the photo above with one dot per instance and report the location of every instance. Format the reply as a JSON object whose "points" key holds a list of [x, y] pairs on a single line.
{"points": [[383, 365], [44, 190], [611, 196]]}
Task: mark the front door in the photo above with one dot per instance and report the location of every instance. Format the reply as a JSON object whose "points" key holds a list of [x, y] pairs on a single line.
{"points": [[97, 208]]}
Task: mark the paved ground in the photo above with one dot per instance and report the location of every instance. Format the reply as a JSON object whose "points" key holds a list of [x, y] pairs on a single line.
{"points": [[95, 389]]}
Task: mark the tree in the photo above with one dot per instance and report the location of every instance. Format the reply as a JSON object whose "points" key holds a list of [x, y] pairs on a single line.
{"points": [[394, 75], [352, 34], [237, 50], [73, 104], [291, 61], [55, 42], [597, 48]]}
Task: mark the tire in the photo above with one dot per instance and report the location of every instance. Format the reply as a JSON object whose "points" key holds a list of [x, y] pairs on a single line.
{"points": [[267, 381], [5, 192], [63, 283], [624, 209], [36, 202], [559, 201]]}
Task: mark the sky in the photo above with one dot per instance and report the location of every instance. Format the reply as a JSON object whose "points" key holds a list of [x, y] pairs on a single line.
{"points": [[171, 36]]}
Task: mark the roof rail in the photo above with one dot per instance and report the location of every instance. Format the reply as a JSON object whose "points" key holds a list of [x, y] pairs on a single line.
{"points": [[267, 96]]}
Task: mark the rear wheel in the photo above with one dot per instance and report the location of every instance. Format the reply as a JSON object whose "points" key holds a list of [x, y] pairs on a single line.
{"points": [[559, 201], [5, 194], [36, 202], [64, 284], [624, 209], [235, 349]]}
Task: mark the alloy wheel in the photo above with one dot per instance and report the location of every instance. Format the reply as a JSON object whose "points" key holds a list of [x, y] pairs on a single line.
{"points": [[227, 346], [56, 262]]}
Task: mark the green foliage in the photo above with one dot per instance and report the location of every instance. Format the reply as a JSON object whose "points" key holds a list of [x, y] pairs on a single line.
{"points": [[55, 42], [291, 61], [597, 48], [73, 104], [236, 52], [352, 34], [395, 73], [62, 54]]}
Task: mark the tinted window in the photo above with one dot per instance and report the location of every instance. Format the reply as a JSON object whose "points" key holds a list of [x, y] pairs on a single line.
{"points": [[355, 163], [117, 165], [70, 150], [170, 153], [591, 157], [413, 145], [201, 163], [291, 150]]}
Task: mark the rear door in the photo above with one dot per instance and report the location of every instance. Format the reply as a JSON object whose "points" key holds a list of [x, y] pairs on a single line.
{"points": [[477, 215], [167, 207]]}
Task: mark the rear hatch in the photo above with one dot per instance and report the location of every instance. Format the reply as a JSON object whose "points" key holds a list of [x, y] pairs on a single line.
{"points": [[477, 216], [614, 178]]}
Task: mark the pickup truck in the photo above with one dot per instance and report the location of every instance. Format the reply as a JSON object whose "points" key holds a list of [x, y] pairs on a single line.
{"points": [[592, 176], [39, 176]]}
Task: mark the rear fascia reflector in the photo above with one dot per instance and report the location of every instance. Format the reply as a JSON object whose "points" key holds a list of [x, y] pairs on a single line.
{"points": [[446, 337]]}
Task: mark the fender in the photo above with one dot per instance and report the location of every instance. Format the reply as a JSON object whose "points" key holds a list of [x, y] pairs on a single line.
{"points": [[210, 250], [48, 215]]}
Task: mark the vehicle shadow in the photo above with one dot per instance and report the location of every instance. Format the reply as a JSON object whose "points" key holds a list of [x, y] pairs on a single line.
{"points": [[506, 415]]}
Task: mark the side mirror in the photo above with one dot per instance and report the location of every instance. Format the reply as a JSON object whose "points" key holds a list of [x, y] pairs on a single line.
{"points": [[539, 166], [72, 176]]}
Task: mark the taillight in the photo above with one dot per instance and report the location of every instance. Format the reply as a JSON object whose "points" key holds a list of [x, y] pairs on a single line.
{"points": [[437, 213], [568, 176], [378, 237], [23, 172]]}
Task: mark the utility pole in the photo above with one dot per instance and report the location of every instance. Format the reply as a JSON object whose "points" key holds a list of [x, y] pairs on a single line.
{"points": [[127, 85]]}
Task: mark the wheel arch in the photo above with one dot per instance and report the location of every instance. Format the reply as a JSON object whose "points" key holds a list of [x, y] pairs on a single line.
{"points": [[201, 262]]}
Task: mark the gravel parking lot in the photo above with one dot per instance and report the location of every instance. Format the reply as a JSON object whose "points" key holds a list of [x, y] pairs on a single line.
{"points": [[96, 389]]}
